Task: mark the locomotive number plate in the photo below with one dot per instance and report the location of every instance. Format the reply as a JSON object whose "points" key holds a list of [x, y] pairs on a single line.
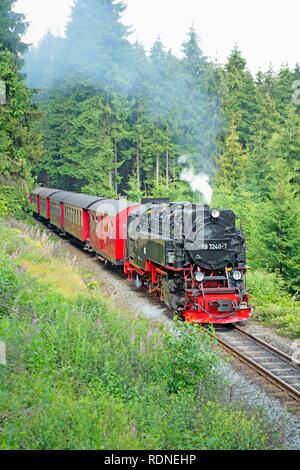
{"points": [[214, 246]]}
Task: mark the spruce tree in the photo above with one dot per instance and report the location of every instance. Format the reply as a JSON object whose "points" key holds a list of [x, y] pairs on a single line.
{"points": [[241, 104], [200, 114], [280, 222], [134, 192], [12, 28], [283, 91], [41, 62], [96, 47], [20, 144], [231, 164]]}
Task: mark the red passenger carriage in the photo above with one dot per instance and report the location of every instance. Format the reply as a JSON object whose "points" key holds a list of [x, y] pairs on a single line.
{"points": [[57, 213], [41, 203], [108, 228], [76, 215]]}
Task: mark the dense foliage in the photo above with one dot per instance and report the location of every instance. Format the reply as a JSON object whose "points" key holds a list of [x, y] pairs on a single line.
{"points": [[12, 28], [82, 375], [119, 121], [115, 119], [20, 144], [258, 166]]}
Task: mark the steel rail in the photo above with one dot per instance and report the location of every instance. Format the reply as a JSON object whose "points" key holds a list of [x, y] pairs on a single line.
{"points": [[259, 368], [283, 355]]}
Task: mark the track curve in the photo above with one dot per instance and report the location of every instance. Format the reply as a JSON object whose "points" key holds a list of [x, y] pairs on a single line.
{"points": [[270, 363]]}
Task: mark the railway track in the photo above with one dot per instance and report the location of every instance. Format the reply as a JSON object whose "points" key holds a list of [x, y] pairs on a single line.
{"points": [[273, 365]]}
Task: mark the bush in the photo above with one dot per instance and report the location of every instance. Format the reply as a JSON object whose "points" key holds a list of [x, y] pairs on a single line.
{"points": [[274, 305], [10, 200], [226, 428]]}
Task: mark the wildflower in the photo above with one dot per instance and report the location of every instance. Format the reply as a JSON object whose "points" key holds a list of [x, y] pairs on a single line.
{"points": [[133, 338], [150, 333], [34, 321], [15, 254]]}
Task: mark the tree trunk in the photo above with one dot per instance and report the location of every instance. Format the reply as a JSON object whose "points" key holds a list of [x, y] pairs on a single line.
{"points": [[116, 167], [138, 169], [157, 169], [167, 168]]}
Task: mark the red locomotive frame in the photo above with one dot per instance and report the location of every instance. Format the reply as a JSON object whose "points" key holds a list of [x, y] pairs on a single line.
{"points": [[206, 312]]}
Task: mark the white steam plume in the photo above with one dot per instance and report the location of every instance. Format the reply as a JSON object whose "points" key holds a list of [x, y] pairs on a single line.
{"points": [[198, 182]]}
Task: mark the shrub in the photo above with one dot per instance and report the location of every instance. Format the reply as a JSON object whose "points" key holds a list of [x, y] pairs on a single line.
{"points": [[11, 199], [226, 428], [274, 305]]}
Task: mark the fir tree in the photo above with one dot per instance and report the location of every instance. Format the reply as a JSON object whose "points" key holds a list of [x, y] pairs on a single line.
{"points": [[12, 28], [134, 192], [280, 219], [20, 145], [240, 98], [41, 61], [231, 164], [96, 47]]}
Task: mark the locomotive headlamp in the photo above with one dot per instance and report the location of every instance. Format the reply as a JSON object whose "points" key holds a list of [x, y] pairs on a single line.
{"points": [[237, 275], [199, 276], [215, 214]]}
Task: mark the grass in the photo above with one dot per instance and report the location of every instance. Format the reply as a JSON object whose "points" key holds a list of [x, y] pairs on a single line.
{"points": [[82, 375], [274, 306]]}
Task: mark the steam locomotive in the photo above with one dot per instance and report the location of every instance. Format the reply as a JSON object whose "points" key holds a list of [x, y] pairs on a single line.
{"points": [[190, 256]]}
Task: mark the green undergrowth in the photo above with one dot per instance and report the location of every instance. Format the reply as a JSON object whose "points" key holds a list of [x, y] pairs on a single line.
{"points": [[82, 375], [274, 306]]}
